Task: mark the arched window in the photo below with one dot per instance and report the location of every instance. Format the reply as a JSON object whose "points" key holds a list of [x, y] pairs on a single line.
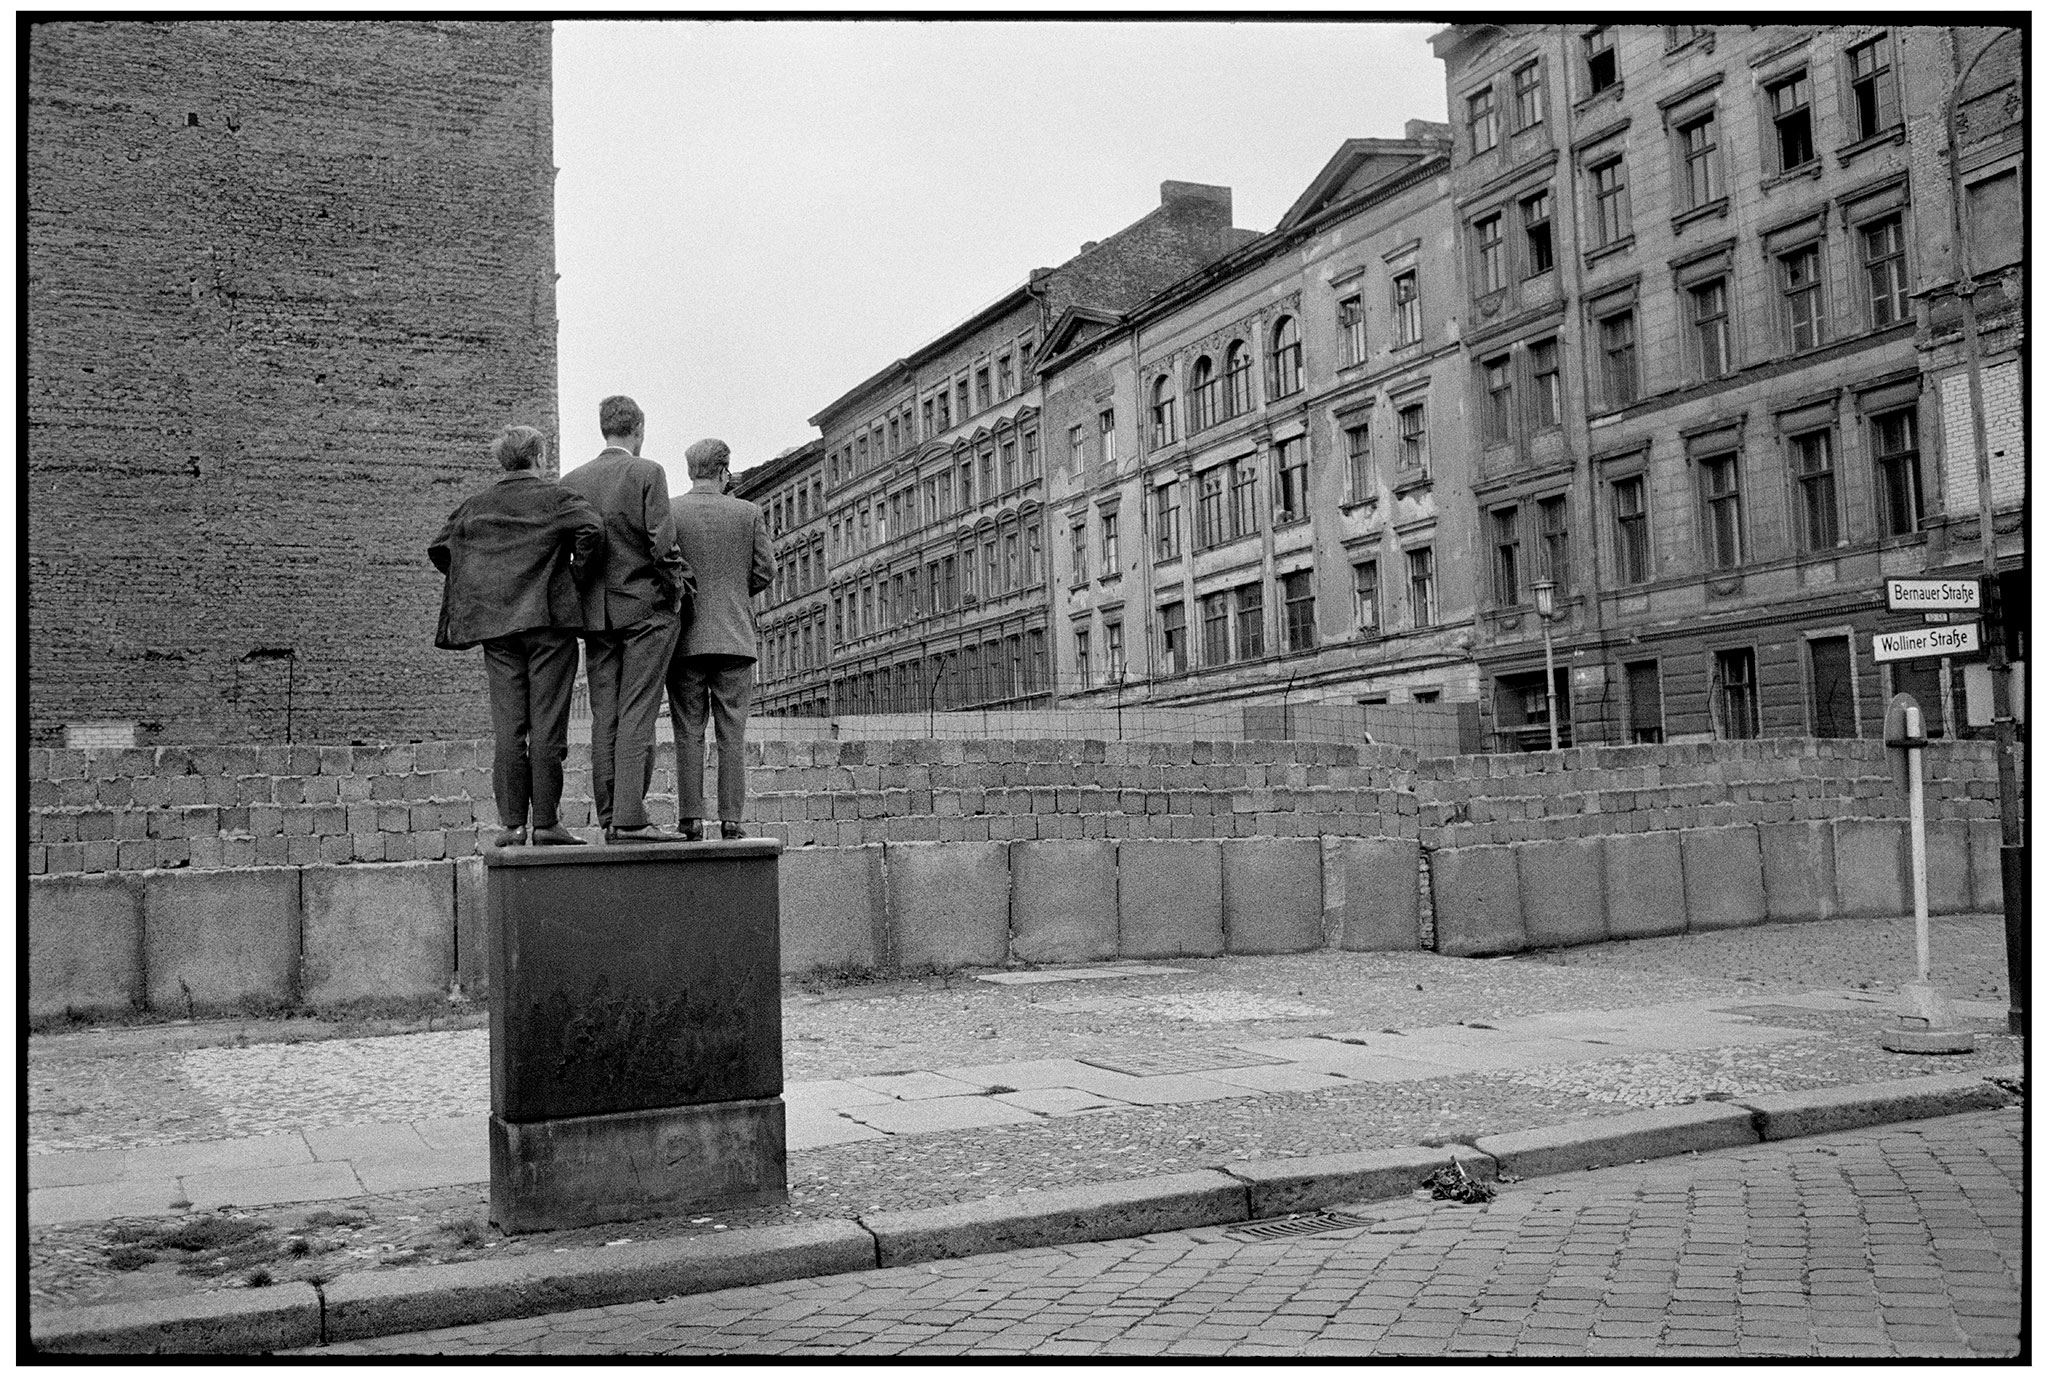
{"points": [[1202, 395], [1237, 379], [1284, 373], [1162, 411]]}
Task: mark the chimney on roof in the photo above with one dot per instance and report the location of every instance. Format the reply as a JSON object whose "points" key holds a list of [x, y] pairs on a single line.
{"points": [[1426, 131], [1195, 193], [1089, 245]]}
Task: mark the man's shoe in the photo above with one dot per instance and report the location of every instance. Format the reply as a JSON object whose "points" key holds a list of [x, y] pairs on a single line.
{"points": [[510, 836], [731, 831], [693, 829], [557, 835], [639, 836]]}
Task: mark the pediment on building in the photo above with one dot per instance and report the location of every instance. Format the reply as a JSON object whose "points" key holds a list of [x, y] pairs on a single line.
{"points": [[1076, 326], [1357, 166]]}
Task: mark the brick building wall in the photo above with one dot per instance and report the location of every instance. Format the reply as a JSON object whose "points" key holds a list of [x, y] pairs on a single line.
{"points": [[225, 807], [285, 281]]}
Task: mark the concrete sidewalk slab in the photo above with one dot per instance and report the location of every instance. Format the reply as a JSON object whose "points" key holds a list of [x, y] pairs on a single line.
{"points": [[1188, 1088], [1078, 1214], [804, 1129], [1620, 1138], [953, 1114], [443, 1135], [1048, 1073], [389, 1175], [1057, 1103], [364, 1141], [1279, 1079], [220, 1155], [915, 1085], [1343, 1059], [273, 1185], [102, 1200], [829, 1095]]}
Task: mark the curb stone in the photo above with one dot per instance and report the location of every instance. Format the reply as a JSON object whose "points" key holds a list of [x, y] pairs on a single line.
{"points": [[371, 1304]]}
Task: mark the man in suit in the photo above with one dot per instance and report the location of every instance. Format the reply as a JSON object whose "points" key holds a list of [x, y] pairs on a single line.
{"points": [[629, 619], [725, 542], [513, 555]]}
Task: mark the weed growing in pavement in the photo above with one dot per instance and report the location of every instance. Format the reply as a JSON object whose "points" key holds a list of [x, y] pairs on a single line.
{"points": [[128, 1259], [1455, 1183], [321, 1219], [464, 1233], [259, 1277]]}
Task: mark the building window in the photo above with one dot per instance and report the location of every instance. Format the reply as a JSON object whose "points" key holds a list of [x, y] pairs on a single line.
{"points": [[1500, 400], [1365, 586], [1284, 375], [1483, 119], [1792, 117], [1166, 521], [1702, 162], [1215, 628], [1082, 670], [951, 567], [1358, 456], [1291, 459], [1549, 391], [1298, 592], [1251, 621], [960, 399], [1884, 268], [1237, 379], [1631, 531], [1351, 330], [988, 475], [1645, 702], [1799, 282], [1005, 378], [1708, 304], [991, 569], [1874, 88], [1414, 430], [1407, 308], [1173, 638], [1421, 588], [1080, 532], [1528, 96], [1034, 552], [1601, 71], [1552, 526], [1202, 387], [1813, 464], [1678, 35], [1898, 471], [1106, 421], [1721, 499], [1109, 552], [1076, 447], [1209, 509], [1610, 202], [1735, 691], [1244, 497], [1507, 556], [1536, 232], [966, 484], [1009, 464], [1490, 268], [1162, 412], [1113, 651], [1834, 692], [1030, 454], [927, 409], [1618, 374]]}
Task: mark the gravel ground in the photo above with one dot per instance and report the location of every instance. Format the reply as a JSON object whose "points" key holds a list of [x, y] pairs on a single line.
{"points": [[95, 1090]]}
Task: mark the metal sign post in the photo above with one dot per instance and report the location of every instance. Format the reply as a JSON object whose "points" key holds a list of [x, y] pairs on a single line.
{"points": [[1926, 1023]]}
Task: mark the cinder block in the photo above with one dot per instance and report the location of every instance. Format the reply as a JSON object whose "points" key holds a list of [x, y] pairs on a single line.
{"points": [[1870, 868], [216, 938], [1063, 901], [1724, 878], [832, 908], [1169, 898], [472, 928], [1799, 871], [84, 944], [377, 931], [1477, 897], [1273, 895], [1948, 867], [1645, 885], [948, 903], [1381, 907], [1562, 886]]}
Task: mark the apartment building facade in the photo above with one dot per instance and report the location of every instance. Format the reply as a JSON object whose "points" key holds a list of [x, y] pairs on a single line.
{"points": [[927, 493], [1257, 475], [1698, 264], [793, 675]]}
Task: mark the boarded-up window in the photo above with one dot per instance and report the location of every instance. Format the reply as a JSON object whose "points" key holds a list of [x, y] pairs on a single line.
{"points": [[1645, 703], [1997, 221], [1834, 695]]}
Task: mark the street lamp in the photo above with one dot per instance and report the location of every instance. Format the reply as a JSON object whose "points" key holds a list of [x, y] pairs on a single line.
{"points": [[1546, 608]]}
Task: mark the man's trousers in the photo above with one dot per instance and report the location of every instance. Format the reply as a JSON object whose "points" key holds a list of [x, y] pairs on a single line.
{"points": [[532, 676], [702, 687], [627, 668]]}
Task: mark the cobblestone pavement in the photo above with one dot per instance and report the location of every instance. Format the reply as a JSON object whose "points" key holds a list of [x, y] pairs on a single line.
{"points": [[1901, 1242]]}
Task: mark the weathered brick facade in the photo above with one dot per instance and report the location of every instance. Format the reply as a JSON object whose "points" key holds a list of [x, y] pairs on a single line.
{"points": [[285, 281]]}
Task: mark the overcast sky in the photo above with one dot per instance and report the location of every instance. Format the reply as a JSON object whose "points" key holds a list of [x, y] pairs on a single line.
{"points": [[754, 216]]}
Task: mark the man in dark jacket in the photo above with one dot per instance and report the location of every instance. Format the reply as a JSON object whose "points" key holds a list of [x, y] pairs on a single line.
{"points": [[629, 619], [724, 539], [513, 555]]}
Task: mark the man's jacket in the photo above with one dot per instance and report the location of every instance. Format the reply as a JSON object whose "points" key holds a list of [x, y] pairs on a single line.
{"points": [[642, 574], [724, 541], [513, 555]]}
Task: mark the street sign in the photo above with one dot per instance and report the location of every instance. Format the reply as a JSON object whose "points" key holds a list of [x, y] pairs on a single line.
{"points": [[1923, 641], [1932, 595]]}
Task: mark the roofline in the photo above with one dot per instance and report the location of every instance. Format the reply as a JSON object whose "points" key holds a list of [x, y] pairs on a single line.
{"points": [[764, 473]]}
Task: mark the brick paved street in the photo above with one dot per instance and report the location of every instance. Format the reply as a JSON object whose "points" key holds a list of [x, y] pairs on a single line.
{"points": [[1901, 1242]]}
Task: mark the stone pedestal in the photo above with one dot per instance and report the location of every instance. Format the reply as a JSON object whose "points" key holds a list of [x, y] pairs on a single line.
{"points": [[636, 1031]]}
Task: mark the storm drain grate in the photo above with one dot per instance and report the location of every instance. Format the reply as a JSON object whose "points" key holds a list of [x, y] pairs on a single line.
{"points": [[1179, 1063], [1321, 1222]]}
